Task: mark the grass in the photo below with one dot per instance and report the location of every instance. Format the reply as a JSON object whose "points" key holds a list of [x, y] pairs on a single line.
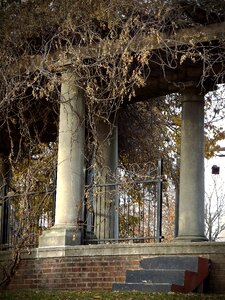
{"points": [[72, 295]]}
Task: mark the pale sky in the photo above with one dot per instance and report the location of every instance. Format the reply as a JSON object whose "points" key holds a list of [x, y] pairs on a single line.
{"points": [[220, 179]]}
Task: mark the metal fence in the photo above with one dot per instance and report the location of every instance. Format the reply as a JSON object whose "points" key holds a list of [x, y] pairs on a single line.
{"points": [[24, 216], [128, 210], [125, 211]]}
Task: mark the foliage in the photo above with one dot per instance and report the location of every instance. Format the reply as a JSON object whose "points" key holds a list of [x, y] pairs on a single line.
{"points": [[98, 41], [30, 195]]}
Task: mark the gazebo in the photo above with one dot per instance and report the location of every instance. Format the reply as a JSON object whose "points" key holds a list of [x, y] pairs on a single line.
{"points": [[61, 260]]}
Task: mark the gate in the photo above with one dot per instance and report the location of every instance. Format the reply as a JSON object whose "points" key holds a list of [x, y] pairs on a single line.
{"points": [[128, 210]]}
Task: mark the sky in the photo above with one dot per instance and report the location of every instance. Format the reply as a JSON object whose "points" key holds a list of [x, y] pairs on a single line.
{"points": [[214, 180], [218, 179]]}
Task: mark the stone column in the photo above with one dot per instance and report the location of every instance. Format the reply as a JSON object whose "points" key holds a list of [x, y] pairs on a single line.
{"points": [[191, 200], [105, 223], [70, 169], [107, 135]]}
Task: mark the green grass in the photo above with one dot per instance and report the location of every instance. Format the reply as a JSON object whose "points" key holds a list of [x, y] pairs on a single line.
{"points": [[71, 295]]}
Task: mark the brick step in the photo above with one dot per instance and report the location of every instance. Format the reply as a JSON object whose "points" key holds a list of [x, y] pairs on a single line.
{"points": [[189, 263], [142, 287], [155, 276]]}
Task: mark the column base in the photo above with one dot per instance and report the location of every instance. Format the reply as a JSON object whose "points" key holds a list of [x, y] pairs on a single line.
{"points": [[60, 236], [190, 238]]}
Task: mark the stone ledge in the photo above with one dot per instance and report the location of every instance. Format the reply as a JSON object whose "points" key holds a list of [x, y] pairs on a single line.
{"points": [[175, 248], [203, 248]]}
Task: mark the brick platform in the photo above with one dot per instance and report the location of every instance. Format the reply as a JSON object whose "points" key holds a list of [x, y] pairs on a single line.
{"points": [[84, 273], [96, 267]]}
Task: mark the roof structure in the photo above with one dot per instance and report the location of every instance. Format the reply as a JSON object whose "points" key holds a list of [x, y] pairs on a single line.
{"points": [[156, 51]]}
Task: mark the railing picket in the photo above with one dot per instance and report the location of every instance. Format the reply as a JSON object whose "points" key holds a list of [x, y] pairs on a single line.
{"points": [[159, 209], [115, 212], [138, 208], [23, 225]]}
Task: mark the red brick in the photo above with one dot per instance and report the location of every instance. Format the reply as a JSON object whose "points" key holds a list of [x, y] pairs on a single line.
{"points": [[76, 269], [46, 271], [90, 273]]}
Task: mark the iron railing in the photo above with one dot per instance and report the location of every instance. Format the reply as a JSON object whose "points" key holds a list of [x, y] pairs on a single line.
{"points": [[24, 216], [130, 211]]}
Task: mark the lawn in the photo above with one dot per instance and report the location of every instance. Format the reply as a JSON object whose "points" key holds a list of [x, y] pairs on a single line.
{"points": [[71, 295]]}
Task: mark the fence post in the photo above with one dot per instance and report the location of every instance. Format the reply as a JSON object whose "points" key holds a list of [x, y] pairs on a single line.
{"points": [[159, 196], [116, 214]]}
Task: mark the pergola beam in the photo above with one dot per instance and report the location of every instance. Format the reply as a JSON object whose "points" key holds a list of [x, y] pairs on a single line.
{"points": [[152, 40]]}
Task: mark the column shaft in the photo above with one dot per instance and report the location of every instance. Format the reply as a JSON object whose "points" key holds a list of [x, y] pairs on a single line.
{"points": [[191, 205], [105, 206], [108, 141], [70, 168]]}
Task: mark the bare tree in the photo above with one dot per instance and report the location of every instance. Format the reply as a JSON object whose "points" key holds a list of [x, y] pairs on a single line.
{"points": [[215, 210]]}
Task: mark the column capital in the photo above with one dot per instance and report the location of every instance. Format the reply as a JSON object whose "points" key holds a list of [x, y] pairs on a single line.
{"points": [[192, 93]]}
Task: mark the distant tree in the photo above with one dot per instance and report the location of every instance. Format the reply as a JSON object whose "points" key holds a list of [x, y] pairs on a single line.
{"points": [[215, 210]]}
